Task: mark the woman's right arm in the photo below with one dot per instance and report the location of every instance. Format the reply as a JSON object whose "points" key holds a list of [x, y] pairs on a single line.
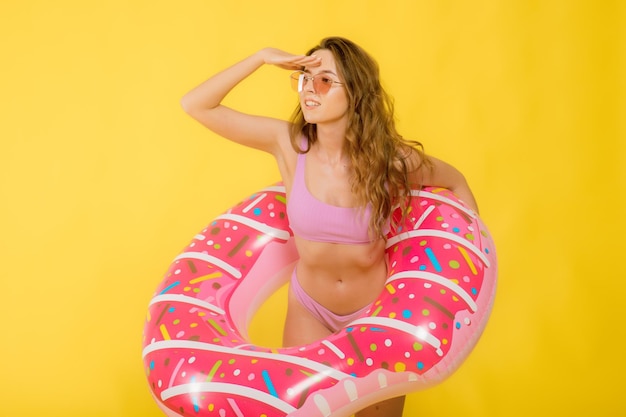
{"points": [[203, 103]]}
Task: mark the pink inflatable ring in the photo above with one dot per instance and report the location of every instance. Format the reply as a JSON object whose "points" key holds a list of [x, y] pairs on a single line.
{"points": [[429, 316]]}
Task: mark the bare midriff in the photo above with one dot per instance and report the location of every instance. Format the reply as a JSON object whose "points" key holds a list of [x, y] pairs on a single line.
{"points": [[342, 277]]}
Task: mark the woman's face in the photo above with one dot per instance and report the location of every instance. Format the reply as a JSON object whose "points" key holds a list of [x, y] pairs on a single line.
{"points": [[324, 108]]}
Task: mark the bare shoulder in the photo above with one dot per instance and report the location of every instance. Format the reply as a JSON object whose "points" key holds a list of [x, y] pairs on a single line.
{"points": [[413, 157], [418, 166]]}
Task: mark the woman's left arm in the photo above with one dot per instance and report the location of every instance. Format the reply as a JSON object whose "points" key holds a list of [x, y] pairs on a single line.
{"points": [[442, 174]]}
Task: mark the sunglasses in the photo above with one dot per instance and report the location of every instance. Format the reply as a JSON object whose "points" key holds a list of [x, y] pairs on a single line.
{"points": [[321, 82]]}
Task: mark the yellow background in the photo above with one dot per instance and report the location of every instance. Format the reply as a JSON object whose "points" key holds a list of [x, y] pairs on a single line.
{"points": [[103, 179]]}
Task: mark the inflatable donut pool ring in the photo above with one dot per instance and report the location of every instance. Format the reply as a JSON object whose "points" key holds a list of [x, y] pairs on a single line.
{"points": [[428, 317]]}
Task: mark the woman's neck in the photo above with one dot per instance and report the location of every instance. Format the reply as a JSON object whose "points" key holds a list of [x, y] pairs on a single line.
{"points": [[330, 144]]}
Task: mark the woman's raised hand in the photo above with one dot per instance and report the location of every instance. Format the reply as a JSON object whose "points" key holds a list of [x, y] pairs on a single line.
{"points": [[289, 61], [203, 103]]}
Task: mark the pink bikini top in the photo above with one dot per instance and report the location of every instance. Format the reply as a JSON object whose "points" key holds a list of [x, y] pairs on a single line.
{"points": [[312, 219]]}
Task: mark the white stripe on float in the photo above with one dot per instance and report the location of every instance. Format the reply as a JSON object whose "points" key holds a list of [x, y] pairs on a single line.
{"points": [[439, 233], [323, 370], [334, 348], [443, 199], [223, 388], [429, 276], [254, 203], [425, 214], [179, 298], [258, 226], [211, 259]]}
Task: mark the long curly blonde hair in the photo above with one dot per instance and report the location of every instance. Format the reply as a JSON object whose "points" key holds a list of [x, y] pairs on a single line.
{"points": [[381, 158]]}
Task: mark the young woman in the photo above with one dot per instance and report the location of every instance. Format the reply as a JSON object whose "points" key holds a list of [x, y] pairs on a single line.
{"points": [[345, 168]]}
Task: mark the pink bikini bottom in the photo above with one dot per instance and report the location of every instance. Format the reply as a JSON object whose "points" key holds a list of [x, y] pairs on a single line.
{"points": [[332, 321]]}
